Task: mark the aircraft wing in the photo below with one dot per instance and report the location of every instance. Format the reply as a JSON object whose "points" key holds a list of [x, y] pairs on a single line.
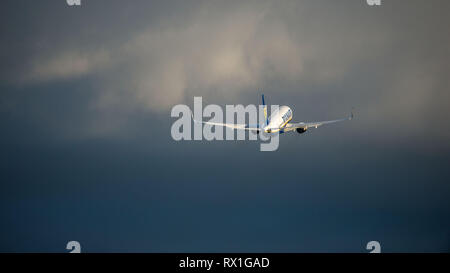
{"points": [[248, 127], [306, 125]]}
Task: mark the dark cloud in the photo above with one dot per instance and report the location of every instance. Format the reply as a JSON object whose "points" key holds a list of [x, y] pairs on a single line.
{"points": [[85, 103]]}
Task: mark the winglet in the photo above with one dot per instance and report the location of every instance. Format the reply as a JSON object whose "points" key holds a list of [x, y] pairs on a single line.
{"points": [[192, 115], [351, 114]]}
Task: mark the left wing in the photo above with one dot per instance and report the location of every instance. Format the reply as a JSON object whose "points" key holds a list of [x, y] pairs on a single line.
{"points": [[247, 127], [306, 125]]}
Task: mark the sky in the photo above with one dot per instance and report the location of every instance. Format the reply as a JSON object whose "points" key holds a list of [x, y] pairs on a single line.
{"points": [[86, 151]]}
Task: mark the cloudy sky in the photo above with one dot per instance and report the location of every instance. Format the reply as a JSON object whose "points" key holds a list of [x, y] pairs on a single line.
{"points": [[85, 100]]}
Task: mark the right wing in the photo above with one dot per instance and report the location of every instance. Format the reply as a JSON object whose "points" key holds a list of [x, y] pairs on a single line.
{"points": [[306, 125], [255, 128]]}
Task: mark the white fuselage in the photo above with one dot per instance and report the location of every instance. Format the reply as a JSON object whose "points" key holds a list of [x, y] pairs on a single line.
{"points": [[279, 119]]}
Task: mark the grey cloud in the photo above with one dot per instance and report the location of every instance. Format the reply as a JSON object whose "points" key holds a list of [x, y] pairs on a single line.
{"points": [[222, 50], [86, 148]]}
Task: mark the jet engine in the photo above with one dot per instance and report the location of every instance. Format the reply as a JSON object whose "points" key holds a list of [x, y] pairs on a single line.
{"points": [[301, 130]]}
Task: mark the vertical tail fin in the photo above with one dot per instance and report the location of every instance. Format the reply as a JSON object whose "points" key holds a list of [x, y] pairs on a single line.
{"points": [[265, 111]]}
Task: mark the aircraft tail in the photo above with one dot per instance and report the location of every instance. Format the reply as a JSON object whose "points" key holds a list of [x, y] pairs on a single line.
{"points": [[265, 111]]}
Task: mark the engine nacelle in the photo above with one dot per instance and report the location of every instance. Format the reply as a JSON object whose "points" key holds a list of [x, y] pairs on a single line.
{"points": [[301, 130]]}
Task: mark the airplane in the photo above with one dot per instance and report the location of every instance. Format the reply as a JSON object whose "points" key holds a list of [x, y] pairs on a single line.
{"points": [[277, 122]]}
